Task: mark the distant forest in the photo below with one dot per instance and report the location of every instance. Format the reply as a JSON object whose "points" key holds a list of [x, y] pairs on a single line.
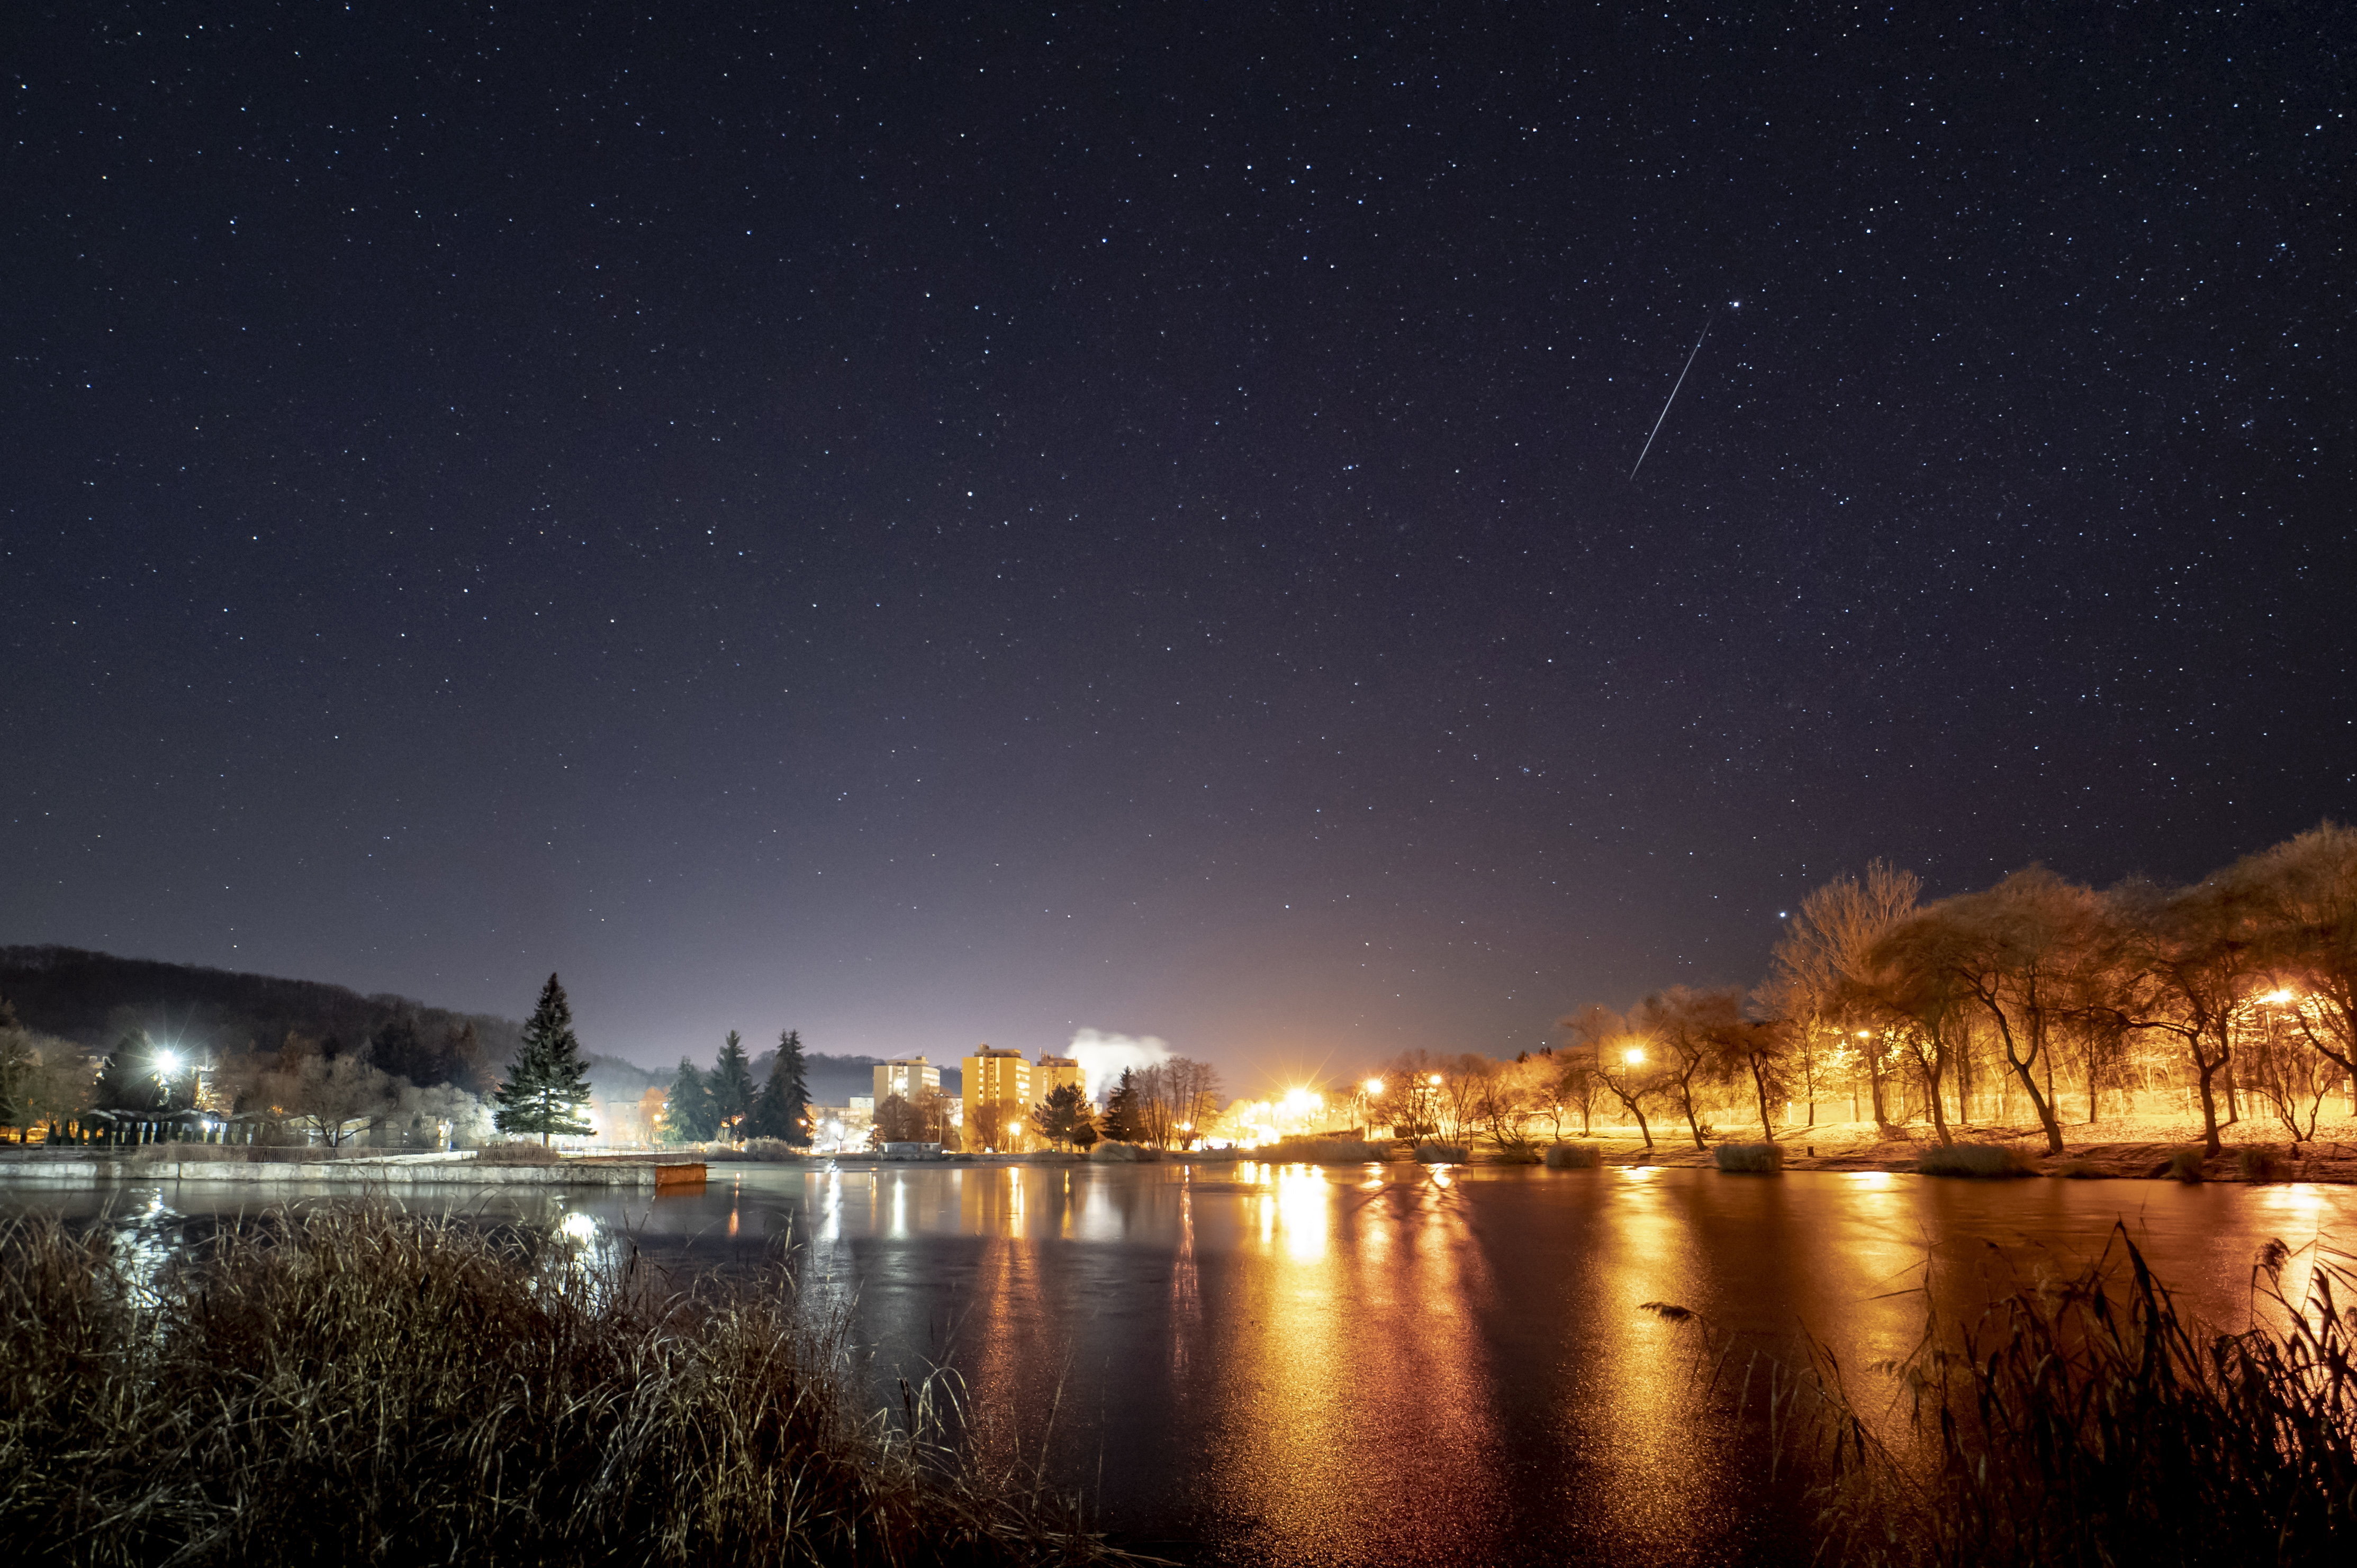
{"points": [[94, 999]]}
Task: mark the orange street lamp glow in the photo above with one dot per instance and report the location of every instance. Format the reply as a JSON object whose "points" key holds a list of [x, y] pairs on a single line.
{"points": [[1634, 1055], [1372, 1086], [1434, 1080]]}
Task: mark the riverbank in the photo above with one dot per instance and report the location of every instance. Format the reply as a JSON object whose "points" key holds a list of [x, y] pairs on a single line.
{"points": [[2141, 1148], [352, 1383]]}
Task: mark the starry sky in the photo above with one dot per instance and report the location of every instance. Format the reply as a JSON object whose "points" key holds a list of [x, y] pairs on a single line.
{"points": [[934, 525]]}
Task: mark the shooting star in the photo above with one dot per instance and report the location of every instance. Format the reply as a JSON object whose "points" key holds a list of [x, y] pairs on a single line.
{"points": [[1706, 320]]}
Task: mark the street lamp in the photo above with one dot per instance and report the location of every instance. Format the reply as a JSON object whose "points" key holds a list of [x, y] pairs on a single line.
{"points": [[1373, 1086], [1634, 1055]]}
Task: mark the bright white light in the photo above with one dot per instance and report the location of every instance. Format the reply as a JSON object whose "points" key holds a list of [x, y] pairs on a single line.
{"points": [[1372, 1086], [167, 1062], [1634, 1055]]}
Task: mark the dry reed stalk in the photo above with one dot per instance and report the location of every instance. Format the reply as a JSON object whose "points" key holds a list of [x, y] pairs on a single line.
{"points": [[355, 1385]]}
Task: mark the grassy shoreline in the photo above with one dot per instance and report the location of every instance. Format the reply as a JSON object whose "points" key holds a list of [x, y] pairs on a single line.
{"points": [[352, 1384]]}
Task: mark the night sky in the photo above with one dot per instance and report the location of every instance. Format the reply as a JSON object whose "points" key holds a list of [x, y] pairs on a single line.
{"points": [[936, 526]]}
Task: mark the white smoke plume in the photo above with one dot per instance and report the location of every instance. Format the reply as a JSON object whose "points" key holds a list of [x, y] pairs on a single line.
{"points": [[1103, 1054]]}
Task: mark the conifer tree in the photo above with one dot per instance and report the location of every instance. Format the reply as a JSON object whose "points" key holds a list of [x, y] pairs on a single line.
{"points": [[548, 1083], [1123, 1122], [1063, 1118], [687, 1112], [732, 1088], [782, 1109]]}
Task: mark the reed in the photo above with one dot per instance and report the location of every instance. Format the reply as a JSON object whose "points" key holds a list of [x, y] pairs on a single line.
{"points": [[2093, 1422], [353, 1385], [1573, 1156], [1750, 1159], [1983, 1160]]}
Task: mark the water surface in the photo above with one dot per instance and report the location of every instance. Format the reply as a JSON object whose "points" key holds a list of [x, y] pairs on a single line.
{"points": [[1251, 1364]]}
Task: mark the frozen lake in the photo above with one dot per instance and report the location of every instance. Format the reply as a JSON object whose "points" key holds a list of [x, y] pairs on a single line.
{"points": [[1241, 1363]]}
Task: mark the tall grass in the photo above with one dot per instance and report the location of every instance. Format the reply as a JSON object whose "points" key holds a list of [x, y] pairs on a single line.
{"points": [[1573, 1156], [1972, 1160], [1753, 1159], [359, 1386], [2090, 1424]]}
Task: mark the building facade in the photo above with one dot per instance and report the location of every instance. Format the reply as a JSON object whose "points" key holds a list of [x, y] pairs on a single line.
{"points": [[1051, 1073], [907, 1077], [994, 1077]]}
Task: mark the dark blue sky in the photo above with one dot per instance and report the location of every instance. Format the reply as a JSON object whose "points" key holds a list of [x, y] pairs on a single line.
{"points": [[933, 526]]}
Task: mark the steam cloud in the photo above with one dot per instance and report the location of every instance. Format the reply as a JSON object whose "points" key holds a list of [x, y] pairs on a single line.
{"points": [[1102, 1056]]}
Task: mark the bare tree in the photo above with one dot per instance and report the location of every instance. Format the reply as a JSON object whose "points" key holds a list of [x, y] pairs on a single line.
{"points": [[1627, 1069], [1822, 962], [2198, 962], [1688, 1027], [2305, 892]]}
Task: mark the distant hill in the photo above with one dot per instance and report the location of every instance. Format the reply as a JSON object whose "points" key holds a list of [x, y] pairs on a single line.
{"points": [[94, 998], [834, 1080]]}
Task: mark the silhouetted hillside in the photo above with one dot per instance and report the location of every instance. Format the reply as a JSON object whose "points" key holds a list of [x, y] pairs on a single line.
{"points": [[95, 998]]}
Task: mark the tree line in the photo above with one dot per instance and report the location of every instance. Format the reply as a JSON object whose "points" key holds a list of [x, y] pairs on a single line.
{"points": [[2036, 1002], [720, 1103]]}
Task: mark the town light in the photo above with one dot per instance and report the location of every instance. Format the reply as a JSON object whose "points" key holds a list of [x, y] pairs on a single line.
{"points": [[1433, 1080], [1015, 1129], [167, 1062], [1372, 1086], [1634, 1055], [2277, 996]]}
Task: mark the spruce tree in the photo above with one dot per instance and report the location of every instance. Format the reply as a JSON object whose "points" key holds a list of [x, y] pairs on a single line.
{"points": [[732, 1088], [687, 1111], [783, 1110], [548, 1083], [1122, 1122]]}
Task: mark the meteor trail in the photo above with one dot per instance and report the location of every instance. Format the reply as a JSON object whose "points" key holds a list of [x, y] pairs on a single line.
{"points": [[1673, 392]]}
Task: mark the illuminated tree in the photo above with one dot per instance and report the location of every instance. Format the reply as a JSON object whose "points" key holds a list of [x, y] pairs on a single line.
{"points": [[1821, 964], [2198, 965], [1629, 1070], [1685, 1028], [547, 1084], [1063, 1117], [2305, 892]]}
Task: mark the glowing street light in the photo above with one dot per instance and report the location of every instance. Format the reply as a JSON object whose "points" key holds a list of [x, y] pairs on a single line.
{"points": [[168, 1063], [1634, 1055], [1434, 1080], [1373, 1086]]}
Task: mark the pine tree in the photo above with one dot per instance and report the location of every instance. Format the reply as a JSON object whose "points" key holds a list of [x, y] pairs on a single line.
{"points": [[1122, 1121], [732, 1088], [687, 1111], [782, 1109], [547, 1083]]}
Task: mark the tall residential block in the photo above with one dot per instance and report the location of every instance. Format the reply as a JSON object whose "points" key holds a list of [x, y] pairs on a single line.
{"points": [[1051, 1073], [1001, 1078], [907, 1077]]}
